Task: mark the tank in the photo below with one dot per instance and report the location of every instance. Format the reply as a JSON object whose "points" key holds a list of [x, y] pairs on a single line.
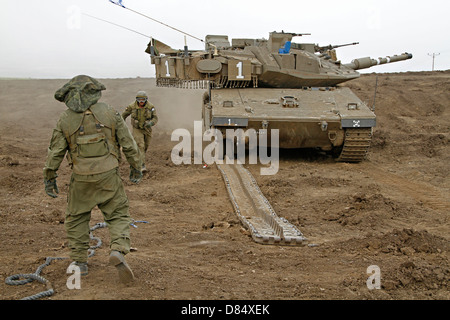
{"points": [[276, 84]]}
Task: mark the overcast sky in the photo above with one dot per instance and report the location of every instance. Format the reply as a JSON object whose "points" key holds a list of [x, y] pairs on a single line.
{"points": [[56, 38]]}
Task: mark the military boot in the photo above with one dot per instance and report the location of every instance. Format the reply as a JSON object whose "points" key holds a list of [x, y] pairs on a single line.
{"points": [[83, 267], [117, 260]]}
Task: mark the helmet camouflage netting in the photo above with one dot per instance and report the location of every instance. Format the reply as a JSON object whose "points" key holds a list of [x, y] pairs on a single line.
{"points": [[80, 93]]}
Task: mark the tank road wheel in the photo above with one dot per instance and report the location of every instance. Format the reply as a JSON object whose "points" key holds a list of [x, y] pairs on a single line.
{"points": [[356, 145]]}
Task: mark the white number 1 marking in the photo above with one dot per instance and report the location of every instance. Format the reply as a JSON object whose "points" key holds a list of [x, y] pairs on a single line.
{"points": [[167, 69], [239, 66]]}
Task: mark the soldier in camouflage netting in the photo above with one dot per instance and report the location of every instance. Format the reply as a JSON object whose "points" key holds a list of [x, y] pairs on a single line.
{"points": [[91, 133], [143, 118]]}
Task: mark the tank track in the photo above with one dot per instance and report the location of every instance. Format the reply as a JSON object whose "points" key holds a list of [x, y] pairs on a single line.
{"points": [[356, 145], [254, 210]]}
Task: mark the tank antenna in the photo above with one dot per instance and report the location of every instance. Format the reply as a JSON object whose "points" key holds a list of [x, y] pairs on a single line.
{"points": [[118, 25], [119, 3]]}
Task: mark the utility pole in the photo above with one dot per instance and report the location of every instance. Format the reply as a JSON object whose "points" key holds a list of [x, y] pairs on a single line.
{"points": [[433, 55]]}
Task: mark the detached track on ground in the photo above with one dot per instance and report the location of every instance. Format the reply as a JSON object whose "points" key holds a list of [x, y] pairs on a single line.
{"points": [[254, 210]]}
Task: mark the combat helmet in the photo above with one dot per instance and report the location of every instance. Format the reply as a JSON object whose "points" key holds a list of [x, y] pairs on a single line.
{"points": [[141, 95]]}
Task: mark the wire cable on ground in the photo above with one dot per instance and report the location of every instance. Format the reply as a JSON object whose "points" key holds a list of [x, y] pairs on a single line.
{"points": [[24, 278], [29, 277]]}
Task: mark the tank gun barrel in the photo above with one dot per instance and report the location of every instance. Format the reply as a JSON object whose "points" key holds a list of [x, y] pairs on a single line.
{"points": [[367, 62], [294, 34], [322, 49], [300, 34]]}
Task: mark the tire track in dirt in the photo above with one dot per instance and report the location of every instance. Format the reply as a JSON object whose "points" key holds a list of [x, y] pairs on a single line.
{"points": [[425, 193]]}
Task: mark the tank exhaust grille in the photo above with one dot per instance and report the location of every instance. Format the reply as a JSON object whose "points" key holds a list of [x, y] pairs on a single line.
{"points": [[221, 82]]}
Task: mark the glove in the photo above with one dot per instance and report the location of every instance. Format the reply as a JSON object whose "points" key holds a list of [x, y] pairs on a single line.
{"points": [[149, 124], [135, 175], [51, 188]]}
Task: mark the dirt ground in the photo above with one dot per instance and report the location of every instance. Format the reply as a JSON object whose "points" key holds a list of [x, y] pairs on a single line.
{"points": [[391, 210]]}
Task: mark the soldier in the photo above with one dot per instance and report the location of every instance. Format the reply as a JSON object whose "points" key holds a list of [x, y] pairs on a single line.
{"points": [[143, 118], [91, 133]]}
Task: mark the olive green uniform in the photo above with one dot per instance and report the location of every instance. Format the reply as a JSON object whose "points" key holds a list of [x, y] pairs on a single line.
{"points": [[92, 136], [142, 121]]}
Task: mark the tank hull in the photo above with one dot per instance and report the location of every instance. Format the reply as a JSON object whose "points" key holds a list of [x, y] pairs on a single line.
{"points": [[305, 118]]}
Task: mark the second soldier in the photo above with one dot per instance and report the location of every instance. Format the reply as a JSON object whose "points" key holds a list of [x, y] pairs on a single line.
{"points": [[143, 118]]}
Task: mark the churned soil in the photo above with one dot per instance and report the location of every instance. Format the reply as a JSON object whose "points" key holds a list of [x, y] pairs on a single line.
{"points": [[390, 211]]}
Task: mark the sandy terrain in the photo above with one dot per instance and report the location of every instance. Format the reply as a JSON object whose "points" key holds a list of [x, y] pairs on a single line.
{"points": [[391, 210]]}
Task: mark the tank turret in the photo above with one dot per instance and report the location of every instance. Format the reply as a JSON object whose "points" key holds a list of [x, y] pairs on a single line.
{"points": [[274, 63]]}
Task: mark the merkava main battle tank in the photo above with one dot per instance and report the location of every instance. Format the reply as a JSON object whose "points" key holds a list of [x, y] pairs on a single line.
{"points": [[276, 84]]}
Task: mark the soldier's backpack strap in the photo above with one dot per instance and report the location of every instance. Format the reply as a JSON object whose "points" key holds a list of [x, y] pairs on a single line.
{"points": [[70, 123], [103, 115]]}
